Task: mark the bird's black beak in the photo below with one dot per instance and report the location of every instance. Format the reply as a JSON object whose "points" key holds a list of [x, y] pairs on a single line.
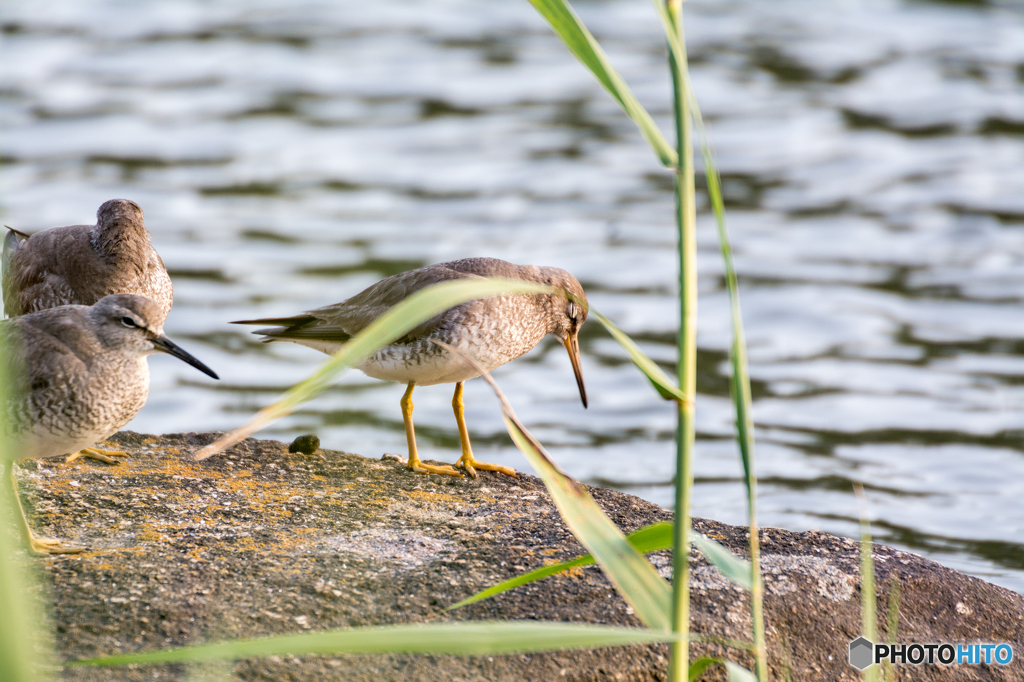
{"points": [[572, 344], [165, 345]]}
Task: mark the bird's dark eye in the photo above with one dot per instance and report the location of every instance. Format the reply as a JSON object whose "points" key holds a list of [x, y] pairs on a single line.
{"points": [[128, 322]]}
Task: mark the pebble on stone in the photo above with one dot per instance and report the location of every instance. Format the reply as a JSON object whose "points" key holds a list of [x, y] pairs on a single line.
{"points": [[307, 444]]}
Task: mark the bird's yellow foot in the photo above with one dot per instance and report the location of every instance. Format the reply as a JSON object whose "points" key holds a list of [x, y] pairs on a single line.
{"points": [[36, 545], [420, 467], [105, 456], [51, 546], [414, 462], [471, 465], [467, 461]]}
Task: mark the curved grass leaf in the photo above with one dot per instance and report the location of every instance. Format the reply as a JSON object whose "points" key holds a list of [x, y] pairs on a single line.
{"points": [[581, 43], [737, 673], [472, 638], [633, 576], [647, 539], [23, 647], [698, 667], [732, 567], [392, 325], [734, 672], [661, 381]]}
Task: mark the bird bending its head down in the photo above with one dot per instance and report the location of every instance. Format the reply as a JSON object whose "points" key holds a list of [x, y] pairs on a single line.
{"points": [[492, 331]]}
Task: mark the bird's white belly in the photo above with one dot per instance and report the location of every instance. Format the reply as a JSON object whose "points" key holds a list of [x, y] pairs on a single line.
{"points": [[426, 367], [42, 443]]}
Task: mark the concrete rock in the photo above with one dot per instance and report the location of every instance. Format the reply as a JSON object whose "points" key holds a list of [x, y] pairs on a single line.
{"points": [[257, 541]]}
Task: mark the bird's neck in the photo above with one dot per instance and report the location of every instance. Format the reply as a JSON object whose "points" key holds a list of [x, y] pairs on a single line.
{"points": [[123, 241]]}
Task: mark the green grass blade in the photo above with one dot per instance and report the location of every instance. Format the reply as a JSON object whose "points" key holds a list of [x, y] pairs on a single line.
{"points": [[868, 605], [892, 623], [393, 324], [210, 671], [686, 343], [732, 567], [471, 638], [740, 380], [647, 539], [661, 381], [675, 45], [24, 649], [734, 672], [633, 576], [581, 43], [25, 654], [698, 667], [740, 375], [739, 383], [739, 388]]}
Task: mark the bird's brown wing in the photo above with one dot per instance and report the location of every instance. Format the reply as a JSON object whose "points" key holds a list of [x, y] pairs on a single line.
{"points": [[41, 358], [48, 270], [341, 321], [354, 314]]}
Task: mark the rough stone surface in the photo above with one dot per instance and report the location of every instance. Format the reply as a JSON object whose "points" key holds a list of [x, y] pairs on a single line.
{"points": [[257, 541]]}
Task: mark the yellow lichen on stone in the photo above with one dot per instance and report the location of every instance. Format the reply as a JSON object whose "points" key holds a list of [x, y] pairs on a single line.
{"points": [[436, 498]]}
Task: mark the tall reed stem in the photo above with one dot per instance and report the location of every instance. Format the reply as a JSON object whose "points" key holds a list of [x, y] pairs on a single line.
{"points": [[686, 219], [757, 585], [741, 387]]}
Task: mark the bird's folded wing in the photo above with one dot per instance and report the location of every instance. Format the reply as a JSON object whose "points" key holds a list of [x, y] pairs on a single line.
{"points": [[341, 321], [37, 361], [52, 267], [354, 314]]}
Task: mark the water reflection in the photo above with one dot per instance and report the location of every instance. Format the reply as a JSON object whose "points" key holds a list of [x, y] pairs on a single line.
{"points": [[872, 159]]}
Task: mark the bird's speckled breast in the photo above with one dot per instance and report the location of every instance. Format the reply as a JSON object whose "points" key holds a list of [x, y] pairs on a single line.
{"points": [[79, 411], [493, 333]]}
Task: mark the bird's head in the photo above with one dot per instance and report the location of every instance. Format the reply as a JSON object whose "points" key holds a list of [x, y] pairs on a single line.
{"points": [[133, 324], [570, 312]]}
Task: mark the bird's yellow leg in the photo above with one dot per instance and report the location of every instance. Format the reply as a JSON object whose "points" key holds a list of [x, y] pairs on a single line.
{"points": [[414, 462], [97, 454], [467, 461], [37, 545]]}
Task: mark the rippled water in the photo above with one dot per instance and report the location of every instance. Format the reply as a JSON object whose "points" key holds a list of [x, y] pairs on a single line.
{"points": [[289, 154]]}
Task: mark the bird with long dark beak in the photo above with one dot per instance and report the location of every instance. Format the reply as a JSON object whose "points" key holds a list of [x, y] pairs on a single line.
{"points": [[78, 374], [492, 331]]}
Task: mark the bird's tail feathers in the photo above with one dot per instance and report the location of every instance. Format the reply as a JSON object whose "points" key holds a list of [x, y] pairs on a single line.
{"points": [[284, 321], [12, 242], [297, 328]]}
